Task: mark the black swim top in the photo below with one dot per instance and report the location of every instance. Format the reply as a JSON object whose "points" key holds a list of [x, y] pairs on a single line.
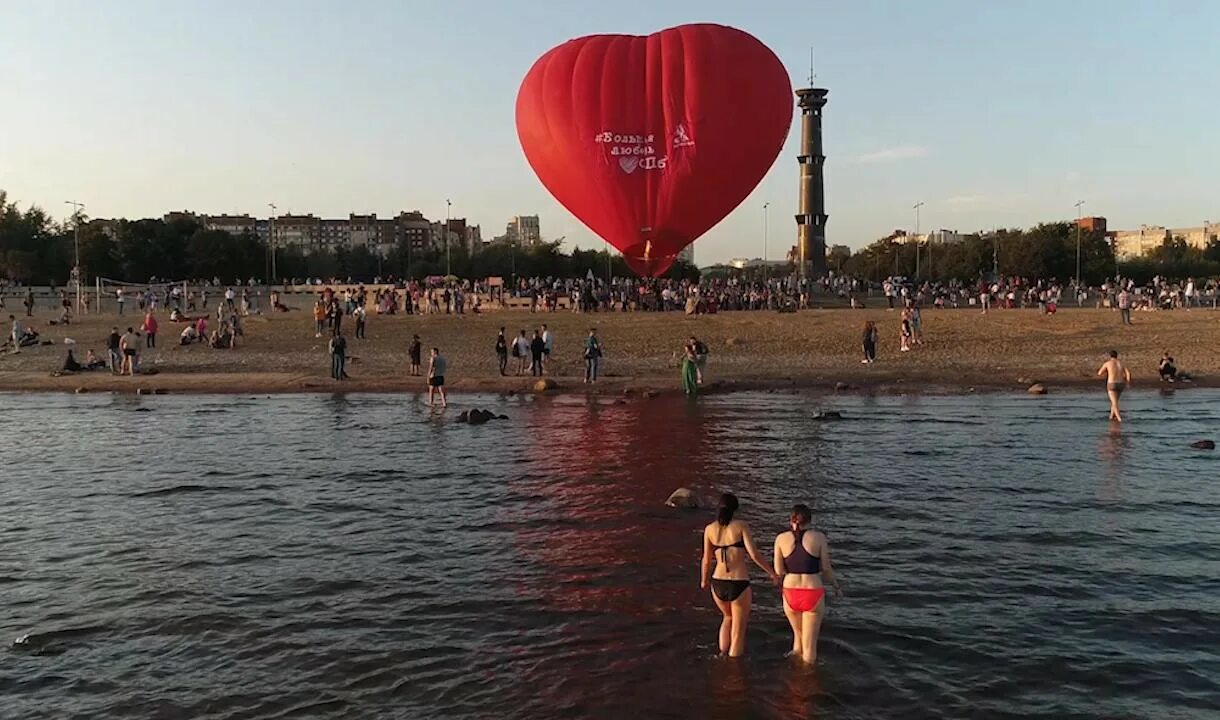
{"points": [[724, 549], [799, 561]]}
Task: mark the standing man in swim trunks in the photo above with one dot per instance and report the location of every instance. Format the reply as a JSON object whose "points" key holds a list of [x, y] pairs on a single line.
{"points": [[436, 377], [1118, 377]]}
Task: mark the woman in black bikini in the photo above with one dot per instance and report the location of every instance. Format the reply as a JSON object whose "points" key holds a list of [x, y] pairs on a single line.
{"points": [[729, 541]]}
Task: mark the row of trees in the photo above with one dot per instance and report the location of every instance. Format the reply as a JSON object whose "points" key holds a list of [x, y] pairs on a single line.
{"points": [[34, 249], [1044, 251]]}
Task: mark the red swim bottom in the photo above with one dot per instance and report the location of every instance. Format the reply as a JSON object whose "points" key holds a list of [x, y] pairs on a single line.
{"points": [[803, 599]]}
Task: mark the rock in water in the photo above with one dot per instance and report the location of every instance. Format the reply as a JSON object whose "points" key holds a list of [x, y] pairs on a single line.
{"points": [[827, 415], [478, 417], [1037, 389], [464, 416], [545, 384], [1203, 445], [683, 498]]}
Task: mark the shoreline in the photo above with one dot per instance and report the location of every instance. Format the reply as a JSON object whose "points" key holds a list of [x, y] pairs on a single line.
{"points": [[814, 351], [847, 383]]}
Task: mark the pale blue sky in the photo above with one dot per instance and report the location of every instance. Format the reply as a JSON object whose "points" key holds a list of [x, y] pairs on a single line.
{"points": [[992, 113]]}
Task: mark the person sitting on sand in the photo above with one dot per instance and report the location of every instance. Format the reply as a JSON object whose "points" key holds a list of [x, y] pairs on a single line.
{"points": [[1167, 369], [70, 363], [93, 362], [189, 335]]}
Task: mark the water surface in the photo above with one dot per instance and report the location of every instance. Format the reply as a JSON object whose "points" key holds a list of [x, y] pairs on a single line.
{"points": [[360, 556]]}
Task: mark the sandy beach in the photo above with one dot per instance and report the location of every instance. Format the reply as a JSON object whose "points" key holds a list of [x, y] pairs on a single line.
{"points": [[814, 349]]}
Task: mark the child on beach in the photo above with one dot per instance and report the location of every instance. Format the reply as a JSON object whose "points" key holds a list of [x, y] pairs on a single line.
{"points": [[869, 341], [906, 331]]}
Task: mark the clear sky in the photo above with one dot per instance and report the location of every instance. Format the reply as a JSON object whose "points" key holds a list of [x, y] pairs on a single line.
{"points": [[991, 113]]}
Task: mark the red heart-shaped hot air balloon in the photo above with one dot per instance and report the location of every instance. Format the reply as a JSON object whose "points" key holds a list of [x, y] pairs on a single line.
{"points": [[651, 141]]}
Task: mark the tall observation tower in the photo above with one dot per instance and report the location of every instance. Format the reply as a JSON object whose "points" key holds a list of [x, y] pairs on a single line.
{"points": [[811, 221]]}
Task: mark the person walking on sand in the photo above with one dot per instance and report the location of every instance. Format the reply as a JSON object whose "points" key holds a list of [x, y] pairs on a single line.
{"points": [[593, 356], [1124, 306], [802, 558], [130, 343], [537, 352], [150, 330], [548, 344], [502, 352], [869, 340], [338, 356], [436, 377], [905, 330], [729, 542], [521, 351], [415, 352], [1118, 377]]}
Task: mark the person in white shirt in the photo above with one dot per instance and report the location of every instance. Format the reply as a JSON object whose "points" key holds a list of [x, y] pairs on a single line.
{"points": [[521, 351], [118, 297], [548, 341]]}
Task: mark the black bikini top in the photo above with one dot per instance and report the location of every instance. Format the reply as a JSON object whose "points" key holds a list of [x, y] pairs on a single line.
{"points": [[799, 561], [724, 549]]}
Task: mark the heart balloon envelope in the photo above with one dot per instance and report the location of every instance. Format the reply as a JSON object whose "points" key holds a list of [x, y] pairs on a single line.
{"points": [[651, 141]]}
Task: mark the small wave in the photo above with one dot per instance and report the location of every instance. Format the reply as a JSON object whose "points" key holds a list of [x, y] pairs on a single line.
{"points": [[181, 490]]}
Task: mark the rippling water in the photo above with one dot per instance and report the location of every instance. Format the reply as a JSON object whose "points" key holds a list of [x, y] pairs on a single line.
{"points": [[358, 556]]}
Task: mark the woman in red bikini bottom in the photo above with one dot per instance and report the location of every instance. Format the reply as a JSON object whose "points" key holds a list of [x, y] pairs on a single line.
{"points": [[728, 542], [802, 557]]}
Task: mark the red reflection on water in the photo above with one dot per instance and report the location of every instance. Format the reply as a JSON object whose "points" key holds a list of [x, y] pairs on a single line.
{"points": [[610, 466]]}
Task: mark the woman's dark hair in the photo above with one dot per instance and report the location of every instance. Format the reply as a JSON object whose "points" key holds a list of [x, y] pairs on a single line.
{"points": [[728, 506], [801, 514]]}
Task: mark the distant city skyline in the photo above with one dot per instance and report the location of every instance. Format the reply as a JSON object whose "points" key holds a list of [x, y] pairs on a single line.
{"points": [[990, 115]]}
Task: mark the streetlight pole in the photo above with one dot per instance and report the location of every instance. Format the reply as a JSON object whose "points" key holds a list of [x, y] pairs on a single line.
{"points": [[766, 265], [448, 207], [916, 206], [76, 208], [1079, 204], [271, 243]]}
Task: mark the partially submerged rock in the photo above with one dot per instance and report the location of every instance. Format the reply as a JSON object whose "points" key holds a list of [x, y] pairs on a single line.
{"points": [[825, 415], [478, 416], [1037, 389], [1203, 445], [545, 384], [684, 498]]}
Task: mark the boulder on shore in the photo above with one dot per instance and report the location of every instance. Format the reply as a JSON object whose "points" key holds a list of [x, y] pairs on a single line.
{"points": [[1037, 389], [1203, 445], [545, 384]]}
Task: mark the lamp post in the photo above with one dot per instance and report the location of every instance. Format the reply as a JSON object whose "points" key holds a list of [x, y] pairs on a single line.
{"points": [[76, 208], [916, 206], [448, 208], [271, 243], [766, 264], [1079, 204]]}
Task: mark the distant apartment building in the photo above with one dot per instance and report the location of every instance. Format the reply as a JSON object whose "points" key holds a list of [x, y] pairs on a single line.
{"points": [[232, 224], [414, 230], [524, 230], [296, 231], [1129, 244]]}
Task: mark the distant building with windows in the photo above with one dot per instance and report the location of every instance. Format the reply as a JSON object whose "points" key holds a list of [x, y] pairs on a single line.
{"points": [[1129, 244], [523, 230]]}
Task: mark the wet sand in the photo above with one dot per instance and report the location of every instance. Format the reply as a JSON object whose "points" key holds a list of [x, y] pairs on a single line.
{"points": [[963, 351]]}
